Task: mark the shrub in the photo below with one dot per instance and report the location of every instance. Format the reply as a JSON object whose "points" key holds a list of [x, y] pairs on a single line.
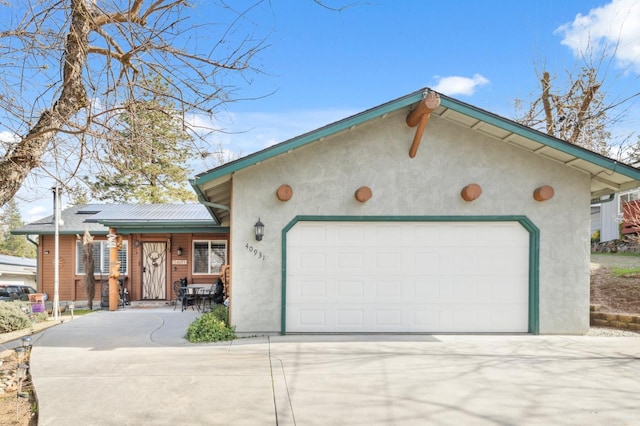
{"points": [[220, 312], [595, 237], [13, 317], [41, 316], [210, 327]]}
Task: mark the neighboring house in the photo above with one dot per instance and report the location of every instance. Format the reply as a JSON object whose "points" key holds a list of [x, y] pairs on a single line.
{"points": [[161, 244], [617, 214], [17, 270], [485, 229]]}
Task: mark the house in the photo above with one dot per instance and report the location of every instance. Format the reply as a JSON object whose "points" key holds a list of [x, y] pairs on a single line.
{"points": [[424, 214], [160, 244], [17, 270], [616, 215]]}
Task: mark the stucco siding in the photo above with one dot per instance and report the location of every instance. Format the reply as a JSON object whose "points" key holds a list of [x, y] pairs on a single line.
{"points": [[325, 175]]}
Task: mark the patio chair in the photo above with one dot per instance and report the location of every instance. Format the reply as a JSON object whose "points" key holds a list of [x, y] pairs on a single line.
{"points": [[182, 295], [215, 295]]}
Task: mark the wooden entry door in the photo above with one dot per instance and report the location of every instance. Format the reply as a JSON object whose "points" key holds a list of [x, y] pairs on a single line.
{"points": [[154, 270]]}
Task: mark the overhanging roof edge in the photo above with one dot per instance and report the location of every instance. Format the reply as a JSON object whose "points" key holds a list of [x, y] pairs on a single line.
{"points": [[537, 136], [156, 223], [202, 199], [173, 230], [446, 102], [306, 138]]}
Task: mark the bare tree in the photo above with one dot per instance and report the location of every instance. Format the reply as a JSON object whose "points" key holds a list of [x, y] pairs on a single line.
{"points": [[69, 66], [574, 111], [577, 106]]}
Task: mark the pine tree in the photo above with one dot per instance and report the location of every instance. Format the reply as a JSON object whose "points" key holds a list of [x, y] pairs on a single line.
{"points": [[149, 152], [14, 245]]}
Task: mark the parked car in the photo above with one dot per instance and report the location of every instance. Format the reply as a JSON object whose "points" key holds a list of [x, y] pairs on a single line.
{"points": [[10, 292]]}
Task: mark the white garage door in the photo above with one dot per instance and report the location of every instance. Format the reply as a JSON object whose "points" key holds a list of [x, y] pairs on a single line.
{"points": [[407, 277]]}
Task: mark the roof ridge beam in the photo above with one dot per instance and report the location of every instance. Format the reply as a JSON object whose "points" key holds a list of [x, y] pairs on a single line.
{"points": [[420, 117]]}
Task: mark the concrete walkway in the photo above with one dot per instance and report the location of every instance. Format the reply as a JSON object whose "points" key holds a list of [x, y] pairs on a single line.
{"points": [[134, 368]]}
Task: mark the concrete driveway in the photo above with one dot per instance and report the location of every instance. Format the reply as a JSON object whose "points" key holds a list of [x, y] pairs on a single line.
{"points": [[133, 368]]}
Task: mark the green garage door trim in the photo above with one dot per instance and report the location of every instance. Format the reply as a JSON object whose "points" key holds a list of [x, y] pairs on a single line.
{"points": [[534, 251]]}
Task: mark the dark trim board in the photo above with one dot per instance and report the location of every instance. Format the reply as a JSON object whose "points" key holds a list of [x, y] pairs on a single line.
{"points": [[526, 223]]}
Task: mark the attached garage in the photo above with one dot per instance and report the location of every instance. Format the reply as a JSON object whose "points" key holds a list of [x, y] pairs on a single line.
{"points": [[407, 276], [421, 215]]}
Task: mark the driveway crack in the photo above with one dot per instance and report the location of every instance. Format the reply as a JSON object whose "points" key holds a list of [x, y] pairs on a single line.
{"points": [[273, 385]]}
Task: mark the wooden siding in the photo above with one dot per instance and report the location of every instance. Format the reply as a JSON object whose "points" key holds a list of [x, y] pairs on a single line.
{"points": [[71, 285]]}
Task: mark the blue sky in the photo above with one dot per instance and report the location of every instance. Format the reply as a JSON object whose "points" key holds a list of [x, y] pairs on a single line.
{"points": [[322, 65]]}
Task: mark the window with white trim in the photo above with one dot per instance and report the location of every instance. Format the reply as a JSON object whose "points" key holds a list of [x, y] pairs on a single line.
{"points": [[101, 258], [632, 195], [209, 256]]}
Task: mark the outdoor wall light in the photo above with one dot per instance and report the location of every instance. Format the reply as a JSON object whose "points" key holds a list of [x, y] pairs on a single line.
{"points": [[179, 251], [259, 230]]}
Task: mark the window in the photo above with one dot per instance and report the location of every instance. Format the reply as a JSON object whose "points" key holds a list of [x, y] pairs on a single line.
{"points": [[629, 196], [101, 258], [209, 256]]}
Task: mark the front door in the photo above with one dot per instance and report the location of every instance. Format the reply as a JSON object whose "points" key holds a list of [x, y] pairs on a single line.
{"points": [[154, 271]]}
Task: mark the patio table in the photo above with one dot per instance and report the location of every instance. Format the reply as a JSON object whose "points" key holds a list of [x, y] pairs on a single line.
{"points": [[199, 293]]}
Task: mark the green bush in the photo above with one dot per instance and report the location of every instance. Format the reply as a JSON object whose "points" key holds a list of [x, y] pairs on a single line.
{"points": [[211, 327], [595, 237], [220, 312], [13, 317], [41, 316]]}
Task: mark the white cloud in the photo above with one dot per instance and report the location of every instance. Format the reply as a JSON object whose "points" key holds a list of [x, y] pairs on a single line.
{"points": [[6, 136], [457, 85], [613, 29]]}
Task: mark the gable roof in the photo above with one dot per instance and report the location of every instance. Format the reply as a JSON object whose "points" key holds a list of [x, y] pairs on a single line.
{"points": [[607, 175], [127, 219]]}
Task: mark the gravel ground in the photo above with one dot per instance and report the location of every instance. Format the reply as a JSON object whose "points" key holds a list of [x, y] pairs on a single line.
{"points": [[615, 260], [611, 332]]}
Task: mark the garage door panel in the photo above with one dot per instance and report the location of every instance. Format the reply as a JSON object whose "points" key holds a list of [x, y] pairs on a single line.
{"points": [[311, 318], [407, 277], [348, 234], [426, 318], [350, 289], [505, 289], [388, 260], [388, 290], [309, 233], [418, 235], [350, 318], [426, 261], [423, 291], [350, 260], [313, 260]]}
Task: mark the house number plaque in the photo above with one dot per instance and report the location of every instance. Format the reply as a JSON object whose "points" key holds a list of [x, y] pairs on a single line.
{"points": [[257, 253]]}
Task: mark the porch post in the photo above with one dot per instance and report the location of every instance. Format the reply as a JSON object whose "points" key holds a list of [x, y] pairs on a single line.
{"points": [[114, 242]]}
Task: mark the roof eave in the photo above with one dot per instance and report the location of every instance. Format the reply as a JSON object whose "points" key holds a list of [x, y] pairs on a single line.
{"points": [[543, 138], [173, 230], [446, 102], [202, 199], [306, 138]]}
